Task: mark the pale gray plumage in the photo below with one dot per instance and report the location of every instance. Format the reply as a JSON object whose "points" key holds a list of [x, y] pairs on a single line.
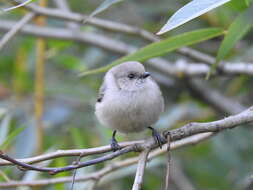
{"points": [[129, 100]]}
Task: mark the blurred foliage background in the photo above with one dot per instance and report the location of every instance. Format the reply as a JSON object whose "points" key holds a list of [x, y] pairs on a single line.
{"points": [[45, 106]]}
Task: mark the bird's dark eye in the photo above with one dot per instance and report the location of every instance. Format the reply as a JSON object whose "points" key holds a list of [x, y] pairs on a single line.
{"points": [[131, 76]]}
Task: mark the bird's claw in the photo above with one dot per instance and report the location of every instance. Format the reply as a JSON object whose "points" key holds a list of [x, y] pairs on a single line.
{"points": [[114, 143], [157, 137]]}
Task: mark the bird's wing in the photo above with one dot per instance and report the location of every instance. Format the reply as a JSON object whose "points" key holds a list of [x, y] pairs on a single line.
{"points": [[101, 92]]}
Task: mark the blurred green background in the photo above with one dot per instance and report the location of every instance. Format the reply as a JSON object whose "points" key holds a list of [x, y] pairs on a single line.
{"points": [[68, 122]]}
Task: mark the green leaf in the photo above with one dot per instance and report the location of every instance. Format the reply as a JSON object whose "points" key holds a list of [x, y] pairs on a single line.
{"points": [[236, 31], [103, 6], [11, 137], [77, 137], [190, 11], [17, 6], [4, 128], [163, 47], [248, 2], [3, 111], [238, 5]]}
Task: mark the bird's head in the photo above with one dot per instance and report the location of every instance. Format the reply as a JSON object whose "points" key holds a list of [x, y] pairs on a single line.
{"points": [[130, 76]]}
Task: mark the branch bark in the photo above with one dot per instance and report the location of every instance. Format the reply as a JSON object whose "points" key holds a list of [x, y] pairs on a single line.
{"points": [[116, 27], [111, 167], [140, 170], [15, 29], [190, 129], [178, 69]]}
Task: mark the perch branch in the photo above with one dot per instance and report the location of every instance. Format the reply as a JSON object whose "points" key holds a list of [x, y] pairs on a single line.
{"points": [[193, 140], [190, 129], [68, 153]]}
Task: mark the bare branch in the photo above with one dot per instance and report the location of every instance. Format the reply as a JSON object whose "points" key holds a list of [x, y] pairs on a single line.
{"points": [[219, 102], [112, 167], [140, 170], [179, 69], [67, 153], [14, 30], [105, 24], [117, 27], [215, 126], [63, 5], [53, 171], [74, 173], [190, 129], [168, 171]]}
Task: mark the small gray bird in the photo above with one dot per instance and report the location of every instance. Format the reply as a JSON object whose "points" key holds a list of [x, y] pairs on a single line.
{"points": [[129, 101]]}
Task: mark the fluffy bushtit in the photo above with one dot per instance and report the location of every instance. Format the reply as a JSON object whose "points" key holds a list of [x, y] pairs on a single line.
{"points": [[129, 100]]}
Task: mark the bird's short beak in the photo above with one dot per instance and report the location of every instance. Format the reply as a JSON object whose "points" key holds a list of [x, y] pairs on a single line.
{"points": [[145, 75]]}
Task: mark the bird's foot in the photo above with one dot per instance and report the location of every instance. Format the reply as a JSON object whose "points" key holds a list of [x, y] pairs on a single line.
{"points": [[156, 136], [114, 143]]}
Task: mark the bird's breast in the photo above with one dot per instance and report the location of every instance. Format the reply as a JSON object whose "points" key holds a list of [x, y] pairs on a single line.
{"points": [[130, 111]]}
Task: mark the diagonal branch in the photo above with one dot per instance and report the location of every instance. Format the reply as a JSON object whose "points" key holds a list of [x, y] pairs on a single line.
{"points": [[111, 167], [179, 69], [14, 30], [116, 27], [140, 170], [201, 90], [190, 129], [68, 153]]}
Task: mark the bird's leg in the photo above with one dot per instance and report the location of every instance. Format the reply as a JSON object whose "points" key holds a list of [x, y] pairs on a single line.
{"points": [[114, 144], [156, 136]]}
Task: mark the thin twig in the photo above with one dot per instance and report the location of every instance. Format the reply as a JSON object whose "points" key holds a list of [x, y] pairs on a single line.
{"points": [[74, 173], [225, 105], [68, 153], [53, 171], [117, 27], [140, 170], [14, 30], [112, 167], [63, 5], [168, 171]]}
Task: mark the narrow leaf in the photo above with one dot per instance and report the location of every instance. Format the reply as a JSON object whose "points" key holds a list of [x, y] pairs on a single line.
{"points": [[103, 6], [238, 5], [190, 11], [3, 111], [248, 2], [17, 6], [11, 137], [236, 31], [4, 128], [163, 47]]}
